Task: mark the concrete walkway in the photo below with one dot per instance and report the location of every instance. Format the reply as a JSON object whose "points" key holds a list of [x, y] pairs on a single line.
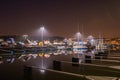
{"points": [[78, 75], [116, 67], [88, 77], [101, 78]]}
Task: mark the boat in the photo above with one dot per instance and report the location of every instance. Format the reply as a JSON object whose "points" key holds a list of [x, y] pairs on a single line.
{"points": [[101, 51], [79, 47]]}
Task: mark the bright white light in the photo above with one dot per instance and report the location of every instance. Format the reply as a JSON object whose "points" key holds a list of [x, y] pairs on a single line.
{"points": [[42, 70], [92, 40], [78, 34], [47, 55], [42, 28], [34, 56], [90, 37], [42, 34], [25, 35]]}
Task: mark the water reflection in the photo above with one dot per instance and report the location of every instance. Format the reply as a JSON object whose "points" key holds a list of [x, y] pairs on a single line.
{"points": [[10, 58], [63, 59], [25, 57], [45, 55], [1, 60]]}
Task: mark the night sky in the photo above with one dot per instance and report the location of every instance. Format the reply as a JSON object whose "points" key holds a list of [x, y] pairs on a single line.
{"points": [[60, 17]]}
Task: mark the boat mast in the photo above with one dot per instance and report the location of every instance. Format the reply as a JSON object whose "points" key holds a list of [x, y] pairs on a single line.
{"points": [[78, 34]]}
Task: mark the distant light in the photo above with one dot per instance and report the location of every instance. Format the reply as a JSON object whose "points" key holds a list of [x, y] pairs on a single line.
{"points": [[55, 53], [25, 35], [47, 55], [90, 37], [41, 54], [34, 56], [78, 33], [92, 40]]}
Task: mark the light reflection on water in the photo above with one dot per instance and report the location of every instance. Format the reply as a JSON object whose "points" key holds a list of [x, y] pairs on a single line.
{"points": [[60, 55], [42, 59]]}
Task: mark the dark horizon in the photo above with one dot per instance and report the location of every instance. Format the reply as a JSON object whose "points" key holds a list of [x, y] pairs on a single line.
{"points": [[61, 17]]}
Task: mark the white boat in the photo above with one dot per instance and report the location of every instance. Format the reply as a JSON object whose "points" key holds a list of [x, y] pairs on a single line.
{"points": [[79, 47]]}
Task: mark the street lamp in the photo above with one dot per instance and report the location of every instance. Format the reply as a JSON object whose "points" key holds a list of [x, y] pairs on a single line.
{"points": [[42, 34], [78, 36]]}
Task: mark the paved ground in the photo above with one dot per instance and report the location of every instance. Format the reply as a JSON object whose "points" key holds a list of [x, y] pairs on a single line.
{"points": [[116, 67], [88, 77], [101, 78], [105, 77]]}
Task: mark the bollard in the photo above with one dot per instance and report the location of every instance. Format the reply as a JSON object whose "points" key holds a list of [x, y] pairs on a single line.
{"points": [[27, 72], [75, 62], [57, 65], [97, 56], [88, 59]]}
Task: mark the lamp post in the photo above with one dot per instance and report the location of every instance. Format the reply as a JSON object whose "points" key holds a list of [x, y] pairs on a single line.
{"points": [[42, 29], [78, 36]]}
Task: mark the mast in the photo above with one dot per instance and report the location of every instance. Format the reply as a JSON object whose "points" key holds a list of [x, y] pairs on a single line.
{"points": [[78, 34]]}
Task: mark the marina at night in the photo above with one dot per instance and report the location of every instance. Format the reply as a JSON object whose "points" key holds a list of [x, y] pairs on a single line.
{"points": [[59, 59], [59, 40]]}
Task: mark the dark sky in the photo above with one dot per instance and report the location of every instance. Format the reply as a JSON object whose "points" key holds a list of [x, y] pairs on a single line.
{"points": [[60, 17]]}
